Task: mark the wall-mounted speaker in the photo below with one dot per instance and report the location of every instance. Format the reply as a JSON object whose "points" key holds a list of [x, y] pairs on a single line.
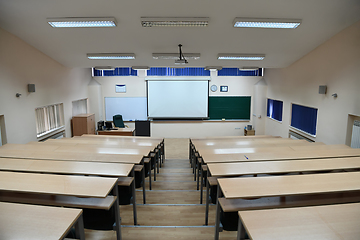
{"points": [[322, 89], [31, 87]]}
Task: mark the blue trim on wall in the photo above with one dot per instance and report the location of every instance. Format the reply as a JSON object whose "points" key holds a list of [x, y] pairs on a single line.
{"points": [[304, 118], [116, 72], [274, 109], [169, 71], [237, 72]]}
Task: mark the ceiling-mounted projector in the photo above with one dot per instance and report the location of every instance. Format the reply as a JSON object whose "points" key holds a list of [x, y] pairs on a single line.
{"points": [[181, 59]]}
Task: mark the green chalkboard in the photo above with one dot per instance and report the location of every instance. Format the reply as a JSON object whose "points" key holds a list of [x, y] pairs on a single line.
{"points": [[230, 108]]}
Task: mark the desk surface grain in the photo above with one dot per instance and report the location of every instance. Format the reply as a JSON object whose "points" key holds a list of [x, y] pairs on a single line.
{"points": [[319, 222], [78, 186], [31, 222], [289, 185]]}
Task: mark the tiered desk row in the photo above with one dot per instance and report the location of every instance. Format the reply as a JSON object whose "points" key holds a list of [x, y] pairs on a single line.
{"points": [[247, 175], [82, 172]]}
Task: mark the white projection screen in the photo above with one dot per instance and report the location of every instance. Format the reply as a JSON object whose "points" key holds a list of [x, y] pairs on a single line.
{"points": [[177, 99]]}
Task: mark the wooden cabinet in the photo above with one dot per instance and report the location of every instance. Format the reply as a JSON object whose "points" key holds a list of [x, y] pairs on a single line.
{"points": [[249, 132], [83, 124]]}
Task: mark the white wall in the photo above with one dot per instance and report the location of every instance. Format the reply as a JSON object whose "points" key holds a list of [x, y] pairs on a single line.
{"points": [[21, 64], [136, 87], [336, 63]]}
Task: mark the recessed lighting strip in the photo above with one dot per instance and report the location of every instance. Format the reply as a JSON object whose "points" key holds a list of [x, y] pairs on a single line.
{"points": [[266, 23], [111, 56], [81, 22], [174, 22], [250, 57]]}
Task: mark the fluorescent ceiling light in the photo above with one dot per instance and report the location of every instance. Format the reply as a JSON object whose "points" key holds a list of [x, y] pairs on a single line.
{"points": [[175, 56], [174, 22], [104, 68], [140, 67], [232, 56], [81, 22], [110, 56], [266, 23], [249, 68], [213, 68]]}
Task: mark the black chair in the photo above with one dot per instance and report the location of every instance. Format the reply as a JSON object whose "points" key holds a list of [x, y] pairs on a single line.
{"points": [[118, 121]]}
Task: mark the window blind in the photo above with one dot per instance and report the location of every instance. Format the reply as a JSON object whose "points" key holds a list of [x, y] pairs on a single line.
{"points": [[49, 118], [304, 118], [274, 109]]}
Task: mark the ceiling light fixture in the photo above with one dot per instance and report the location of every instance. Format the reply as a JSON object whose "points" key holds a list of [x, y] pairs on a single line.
{"points": [[81, 22], [174, 22], [249, 68], [140, 67], [213, 68], [266, 23], [111, 56], [104, 68], [174, 56], [235, 56]]}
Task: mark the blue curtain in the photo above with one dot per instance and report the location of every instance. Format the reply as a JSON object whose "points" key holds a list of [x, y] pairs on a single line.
{"points": [[304, 118], [237, 72], [275, 109], [168, 71], [116, 72]]}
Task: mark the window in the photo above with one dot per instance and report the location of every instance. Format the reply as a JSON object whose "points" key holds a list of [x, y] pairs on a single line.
{"points": [[274, 109], [304, 119], [126, 71], [49, 119], [79, 107]]}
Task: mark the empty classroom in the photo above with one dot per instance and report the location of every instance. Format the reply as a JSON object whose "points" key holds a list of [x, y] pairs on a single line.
{"points": [[179, 119]]}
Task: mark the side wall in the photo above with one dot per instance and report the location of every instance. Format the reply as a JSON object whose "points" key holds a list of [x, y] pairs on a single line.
{"points": [[21, 64], [336, 63]]}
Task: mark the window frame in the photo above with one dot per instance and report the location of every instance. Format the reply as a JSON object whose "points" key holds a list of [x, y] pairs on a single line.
{"points": [[267, 109], [315, 121], [49, 120]]}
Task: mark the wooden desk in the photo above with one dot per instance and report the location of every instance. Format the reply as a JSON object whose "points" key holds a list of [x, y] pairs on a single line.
{"points": [[277, 167], [319, 222], [118, 131], [281, 186], [22, 221], [71, 167], [249, 132], [62, 185]]}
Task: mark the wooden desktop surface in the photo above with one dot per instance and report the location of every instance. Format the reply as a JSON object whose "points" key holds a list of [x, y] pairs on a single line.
{"points": [[101, 142], [122, 150], [118, 131], [289, 185], [78, 186], [66, 167], [237, 137], [32, 222], [281, 155], [271, 167], [116, 137], [320, 222], [245, 141], [72, 156]]}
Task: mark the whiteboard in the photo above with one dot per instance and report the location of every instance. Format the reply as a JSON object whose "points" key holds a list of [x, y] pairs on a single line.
{"points": [[131, 108]]}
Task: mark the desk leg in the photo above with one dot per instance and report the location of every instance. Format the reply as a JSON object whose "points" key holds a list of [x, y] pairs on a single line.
{"points": [[134, 198], [154, 167], [117, 213], [241, 231], [79, 228], [195, 164], [201, 183], [158, 161], [143, 177], [198, 173], [207, 199], [217, 219], [149, 175]]}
